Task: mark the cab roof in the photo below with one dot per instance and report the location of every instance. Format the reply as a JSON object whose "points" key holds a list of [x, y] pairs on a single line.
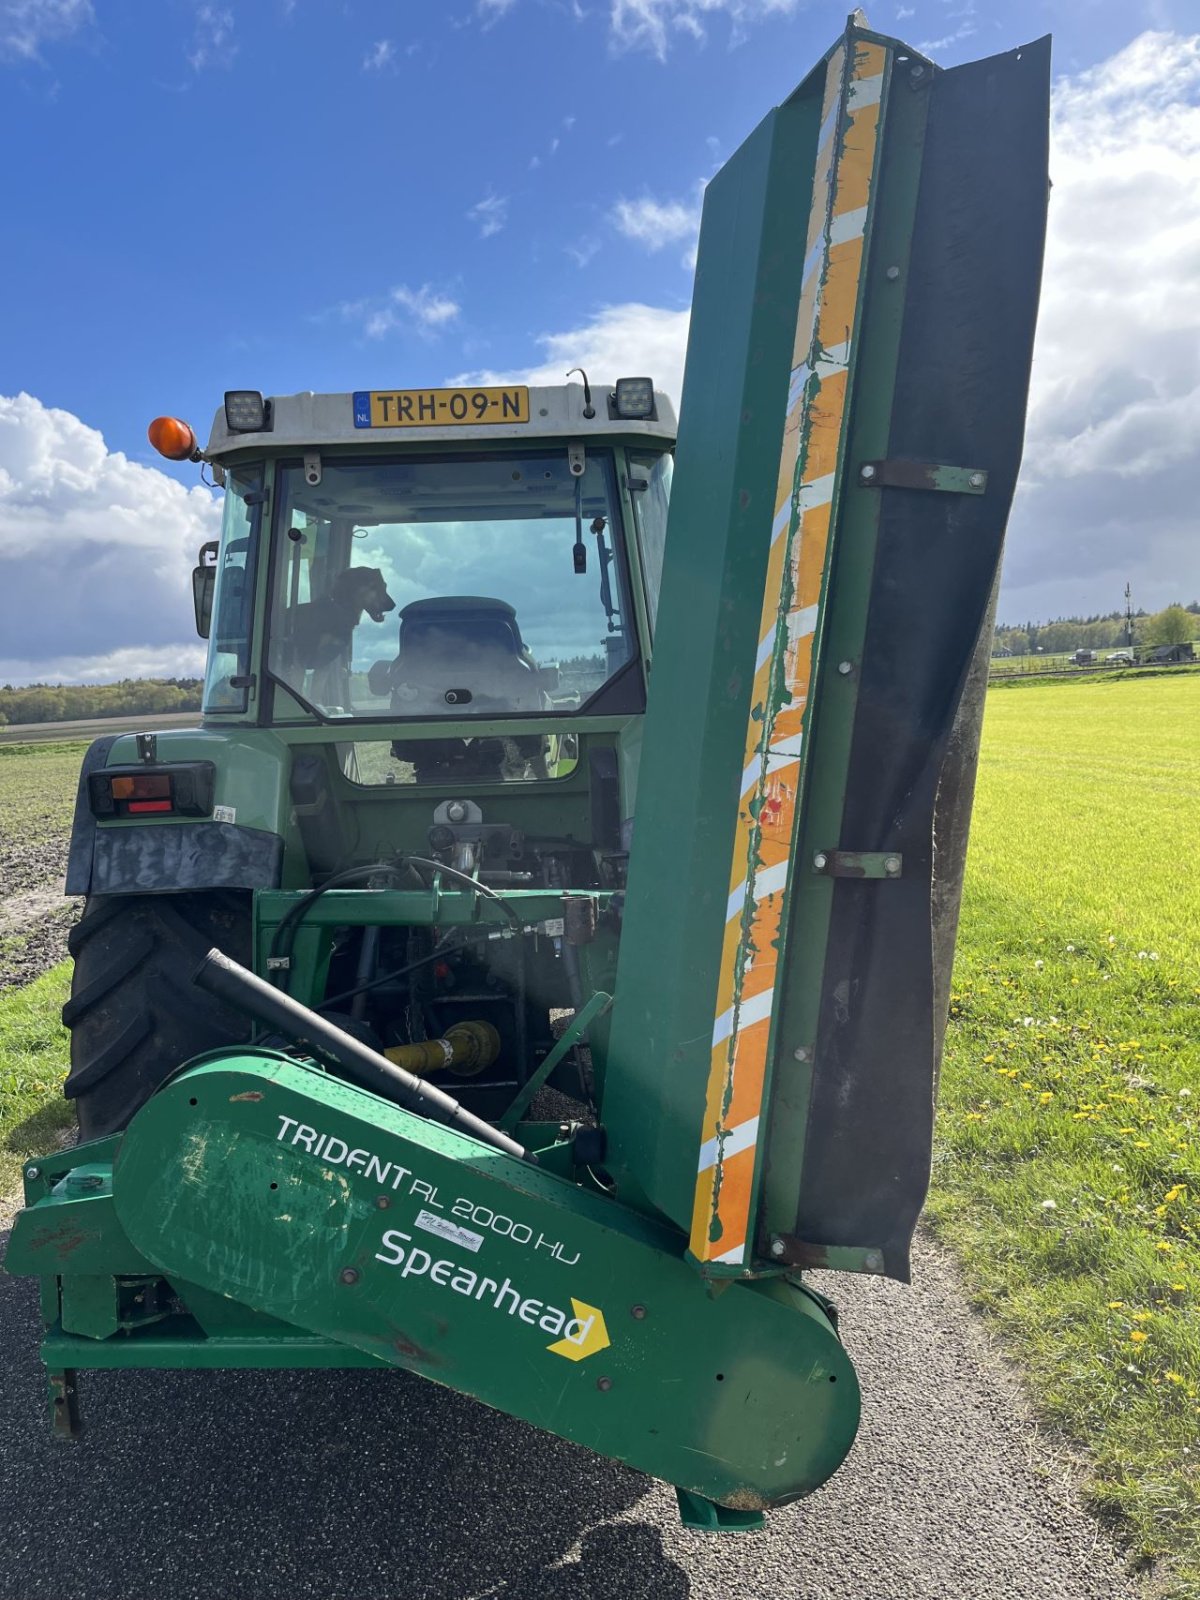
{"points": [[309, 421]]}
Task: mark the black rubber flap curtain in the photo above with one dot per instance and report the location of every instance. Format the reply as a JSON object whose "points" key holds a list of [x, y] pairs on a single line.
{"points": [[965, 354]]}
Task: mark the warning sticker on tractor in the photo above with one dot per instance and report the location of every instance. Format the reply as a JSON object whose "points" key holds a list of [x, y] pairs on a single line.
{"points": [[445, 1229]]}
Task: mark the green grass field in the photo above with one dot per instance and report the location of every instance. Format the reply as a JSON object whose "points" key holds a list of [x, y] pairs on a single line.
{"points": [[37, 797], [1067, 1175], [33, 1062], [37, 791], [1067, 1170]]}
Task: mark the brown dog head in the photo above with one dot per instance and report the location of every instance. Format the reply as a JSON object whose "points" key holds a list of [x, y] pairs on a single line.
{"points": [[362, 589]]}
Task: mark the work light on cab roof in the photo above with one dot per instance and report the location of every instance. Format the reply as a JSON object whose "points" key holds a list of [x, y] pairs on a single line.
{"points": [[246, 411]]}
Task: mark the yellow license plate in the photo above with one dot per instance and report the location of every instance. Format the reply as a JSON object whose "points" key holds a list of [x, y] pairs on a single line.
{"points": [[440, 408]]}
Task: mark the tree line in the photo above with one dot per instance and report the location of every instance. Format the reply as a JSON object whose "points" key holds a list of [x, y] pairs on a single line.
{"points": [[1174, 624], [75, 702]]}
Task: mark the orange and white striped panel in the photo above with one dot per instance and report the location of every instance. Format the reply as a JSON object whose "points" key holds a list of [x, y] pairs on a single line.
{"points": [[811, 445]]}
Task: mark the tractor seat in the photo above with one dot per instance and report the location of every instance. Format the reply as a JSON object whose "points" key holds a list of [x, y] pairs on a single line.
{"points": [[456, 631]]}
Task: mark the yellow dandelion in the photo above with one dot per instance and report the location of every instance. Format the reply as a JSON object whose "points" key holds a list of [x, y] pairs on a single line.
{"points": [[1164, 1246], [1142, 1316], [1141, 1144], [1138, 1337], [1046, 1096], [1174, 1377], [1116, 1305]]}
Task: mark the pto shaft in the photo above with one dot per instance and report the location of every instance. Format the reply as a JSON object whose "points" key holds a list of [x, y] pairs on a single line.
{"points": [[466, 1049]]}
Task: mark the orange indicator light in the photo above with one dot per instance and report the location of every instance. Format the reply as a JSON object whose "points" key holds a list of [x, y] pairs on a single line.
{"points": [[145, 786]]}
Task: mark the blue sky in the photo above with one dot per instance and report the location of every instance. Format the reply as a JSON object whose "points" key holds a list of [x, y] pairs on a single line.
{"points": [[293, 194]]}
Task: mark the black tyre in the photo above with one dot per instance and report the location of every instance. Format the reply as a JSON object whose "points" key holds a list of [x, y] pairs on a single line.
{"points": [[133, 1013]]}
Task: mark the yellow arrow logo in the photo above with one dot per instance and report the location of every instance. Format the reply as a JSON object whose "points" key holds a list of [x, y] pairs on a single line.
{"points": [[583, 1335]]}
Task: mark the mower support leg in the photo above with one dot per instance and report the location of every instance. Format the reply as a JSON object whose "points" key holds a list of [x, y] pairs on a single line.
{"points": [[65, 1419], [701, 1515]]}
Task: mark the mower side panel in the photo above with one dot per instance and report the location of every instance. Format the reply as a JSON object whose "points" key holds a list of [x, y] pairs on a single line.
{"points": [[773, 1091], [301, 1197]]}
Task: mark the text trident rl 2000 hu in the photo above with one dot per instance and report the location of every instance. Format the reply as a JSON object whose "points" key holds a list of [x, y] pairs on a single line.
{"points": [[534, 967]]}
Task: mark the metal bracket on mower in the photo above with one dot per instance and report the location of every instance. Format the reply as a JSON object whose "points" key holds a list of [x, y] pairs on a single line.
{"points": [[858, 863], [897, 474], [596, 1006]]}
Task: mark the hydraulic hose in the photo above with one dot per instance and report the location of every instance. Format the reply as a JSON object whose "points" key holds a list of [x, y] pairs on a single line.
{"points": [[247, 993]]}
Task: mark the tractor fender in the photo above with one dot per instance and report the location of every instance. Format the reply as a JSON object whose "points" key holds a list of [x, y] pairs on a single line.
{"points": [[163, 857]]}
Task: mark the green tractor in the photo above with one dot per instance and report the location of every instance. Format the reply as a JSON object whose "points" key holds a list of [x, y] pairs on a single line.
{"points": [[534, 967], [365, 724]]}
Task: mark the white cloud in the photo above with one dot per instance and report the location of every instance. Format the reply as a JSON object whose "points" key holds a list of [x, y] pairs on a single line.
{"points": [[903, 12], [490, 213], [616, 342], [95, 550], [212, 43], [380, 55], [431, 310], [582, 251], [1113, 443], [25, 25], [176, 661], [655, 223], [650, 24], [425, 310], [933, 47]]}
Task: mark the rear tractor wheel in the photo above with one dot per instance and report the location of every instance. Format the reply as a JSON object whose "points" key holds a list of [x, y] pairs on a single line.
{"points": [[133, 1013]]}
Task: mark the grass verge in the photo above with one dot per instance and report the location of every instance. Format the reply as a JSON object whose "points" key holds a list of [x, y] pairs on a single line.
{"points": [[1067, 1176], [33, 1063]]}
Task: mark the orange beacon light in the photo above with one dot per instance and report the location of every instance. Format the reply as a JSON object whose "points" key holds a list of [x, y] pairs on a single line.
{"points": [[173, 439]]}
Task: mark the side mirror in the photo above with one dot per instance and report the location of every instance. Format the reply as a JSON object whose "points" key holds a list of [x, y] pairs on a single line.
{"points": [[204, 582], [548, 677]]}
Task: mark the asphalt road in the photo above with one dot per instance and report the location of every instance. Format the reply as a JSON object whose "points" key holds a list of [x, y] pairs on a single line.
{"points": [[379, 1486]]}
